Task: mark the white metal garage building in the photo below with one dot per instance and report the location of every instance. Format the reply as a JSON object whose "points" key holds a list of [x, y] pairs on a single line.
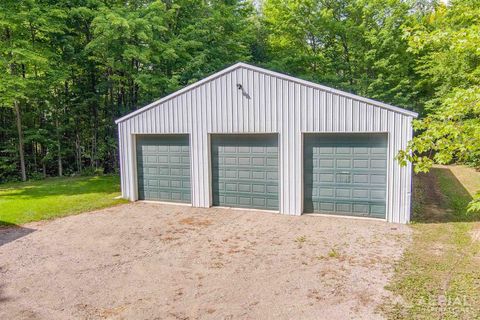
{"points": [[252, 138]]}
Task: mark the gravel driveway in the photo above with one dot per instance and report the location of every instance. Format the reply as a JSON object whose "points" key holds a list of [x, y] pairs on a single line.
{"points": [[147, 261]]}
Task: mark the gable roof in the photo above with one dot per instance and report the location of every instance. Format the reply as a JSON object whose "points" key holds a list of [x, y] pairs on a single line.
{"points": [[273, 74]]}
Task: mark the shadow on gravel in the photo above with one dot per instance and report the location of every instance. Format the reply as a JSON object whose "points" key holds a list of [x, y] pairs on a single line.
{"points": [[10, 232], [3, 298]]}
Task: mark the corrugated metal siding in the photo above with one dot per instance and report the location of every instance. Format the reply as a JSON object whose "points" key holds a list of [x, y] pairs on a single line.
{"points": [[267, 104]]}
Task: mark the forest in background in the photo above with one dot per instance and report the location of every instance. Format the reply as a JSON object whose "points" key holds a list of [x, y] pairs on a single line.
{"points": [[70, 68]]}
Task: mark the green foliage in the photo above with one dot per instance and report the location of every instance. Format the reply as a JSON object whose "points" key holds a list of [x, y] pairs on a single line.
{"points": [[474, 205], [92, 172], [27, 57], [448, 61], [451, 133], [354, 45]]}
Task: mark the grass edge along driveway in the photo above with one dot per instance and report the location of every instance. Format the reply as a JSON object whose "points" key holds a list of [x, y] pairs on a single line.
{"points": [[56, 197], [438, 276]]}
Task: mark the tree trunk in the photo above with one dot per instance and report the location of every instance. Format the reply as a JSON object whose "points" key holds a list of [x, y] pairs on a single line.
{"points": [[78, 152], [34, 153], [60, 167], [20, 140], [346, 52]]}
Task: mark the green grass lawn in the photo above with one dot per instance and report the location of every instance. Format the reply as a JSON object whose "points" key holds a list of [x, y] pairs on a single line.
{"points": [[439, 274], [56, 197]]}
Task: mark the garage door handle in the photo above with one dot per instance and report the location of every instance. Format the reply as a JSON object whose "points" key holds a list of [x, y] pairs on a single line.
{"points": [[345, 177]]}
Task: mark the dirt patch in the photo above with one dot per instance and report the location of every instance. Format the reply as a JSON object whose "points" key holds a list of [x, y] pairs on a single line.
{"points": [[145, 261], [192, 221], [432, 193], [428, 195]]}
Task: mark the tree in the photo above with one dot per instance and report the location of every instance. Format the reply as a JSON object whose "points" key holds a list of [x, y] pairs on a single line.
{"points": [[24, 58], [446, 45], [354, 45]]}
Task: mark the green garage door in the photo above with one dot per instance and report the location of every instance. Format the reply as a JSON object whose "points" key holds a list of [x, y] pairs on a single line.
{"points": [[245, 171], [163, 168], [345, 174]]}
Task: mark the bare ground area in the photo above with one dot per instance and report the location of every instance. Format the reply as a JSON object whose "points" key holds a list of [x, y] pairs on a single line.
{"points": [[146, 261]]}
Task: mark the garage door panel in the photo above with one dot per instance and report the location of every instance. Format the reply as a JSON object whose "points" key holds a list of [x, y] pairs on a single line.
{"points": [[345, 174], [324, 150], [245, 187], [343, 150], [361, 150], [239, 149], [378, 194], [325, 164], [360, 194], [259, 188], [272, 202], [245, 201], [259, 149], [378, 150], [272, 176], [259, 202], [245, 171], [325, 192], [231, 187], [248, 174], [378, 179], [229, 161], [231, 174], [361, 208], [271, 161], [244, 161], [344, 193], [378, 210], [360, 163], [343, 163], [163, 168], [325, 206], [343, 207], [272, 189], [324, 177], [378, 164], [360, 178], [259, 161]]}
